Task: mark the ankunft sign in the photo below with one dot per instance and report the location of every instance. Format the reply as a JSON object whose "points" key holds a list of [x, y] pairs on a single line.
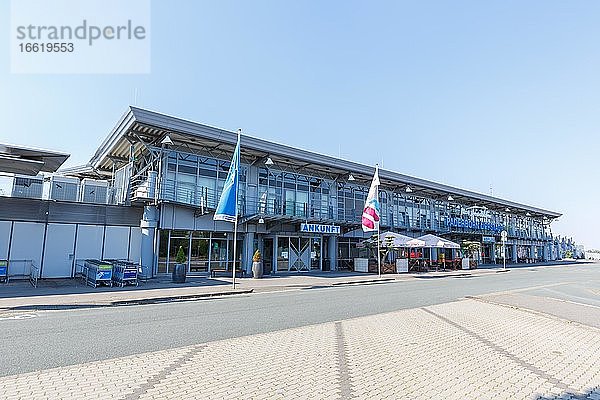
{"points": [[317, 228]]}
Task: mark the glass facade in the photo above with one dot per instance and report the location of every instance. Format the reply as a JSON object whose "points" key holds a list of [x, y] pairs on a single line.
{"points": [[204, 250], [291, 194], [197, 181]]}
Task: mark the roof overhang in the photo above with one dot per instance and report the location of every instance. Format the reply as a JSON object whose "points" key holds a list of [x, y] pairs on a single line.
{"points": [[28, 160], [139, 129]]}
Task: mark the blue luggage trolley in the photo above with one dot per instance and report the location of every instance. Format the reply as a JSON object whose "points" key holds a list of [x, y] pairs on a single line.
{"points": [[4, 271], [98, 272], [125, 273]]}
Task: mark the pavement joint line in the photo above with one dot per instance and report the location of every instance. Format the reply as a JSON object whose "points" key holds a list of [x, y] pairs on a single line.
{"points": [[343, 368], [163, 373], [532, 368], [530, 311]]}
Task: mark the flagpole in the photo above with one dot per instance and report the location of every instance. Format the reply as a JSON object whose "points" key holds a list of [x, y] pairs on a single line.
{"points": [[235, 222], [378, 240], [378, 254]]}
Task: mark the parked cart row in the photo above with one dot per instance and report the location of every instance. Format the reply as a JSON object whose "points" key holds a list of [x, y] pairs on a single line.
{"points": [[107, 272], [125, 273]]}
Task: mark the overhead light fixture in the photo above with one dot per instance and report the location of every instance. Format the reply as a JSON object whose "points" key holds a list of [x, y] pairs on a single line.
{"points": [[351, 178], [269, 161], [507, 209], [261, 221], [450, 198], [528, 215], [408, 189], [166, 141]]}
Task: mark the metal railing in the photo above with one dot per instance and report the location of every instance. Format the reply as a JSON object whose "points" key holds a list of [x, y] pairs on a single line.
{"points": [[34, 275], [23, 269]]}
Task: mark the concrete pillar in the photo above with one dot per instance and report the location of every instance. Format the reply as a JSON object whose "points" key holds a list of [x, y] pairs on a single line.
{"points": [[532, 251], [514, 252], [333, 252], [248, 252], [546, 252], [149, 224], [261, 243]]}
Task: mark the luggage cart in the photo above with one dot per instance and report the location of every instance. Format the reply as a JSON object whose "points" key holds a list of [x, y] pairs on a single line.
{"points": [[4, 271], [98, 272], [125, 273]]}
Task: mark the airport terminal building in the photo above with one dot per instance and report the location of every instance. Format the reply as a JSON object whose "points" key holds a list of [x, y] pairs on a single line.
{"points": [[153, 185]]}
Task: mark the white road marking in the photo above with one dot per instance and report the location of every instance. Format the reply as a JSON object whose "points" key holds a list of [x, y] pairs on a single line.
{"points": [[17, 316], [525, 289]]}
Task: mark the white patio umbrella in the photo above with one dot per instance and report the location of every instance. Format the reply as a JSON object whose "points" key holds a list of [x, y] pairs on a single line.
{"points": [[399, 240], [415, 243], [438, 242], [432, 240], [451, 245]]}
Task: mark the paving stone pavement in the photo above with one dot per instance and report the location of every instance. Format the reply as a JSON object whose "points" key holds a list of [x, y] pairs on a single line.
{"points": [[461, 350]]}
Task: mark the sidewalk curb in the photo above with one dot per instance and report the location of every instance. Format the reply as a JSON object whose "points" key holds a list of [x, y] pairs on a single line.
{"points": [[122, 303], [169, 299], [364, 281]]}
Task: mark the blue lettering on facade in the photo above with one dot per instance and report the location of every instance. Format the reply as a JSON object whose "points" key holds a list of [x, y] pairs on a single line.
{"points": [[476, 225]]}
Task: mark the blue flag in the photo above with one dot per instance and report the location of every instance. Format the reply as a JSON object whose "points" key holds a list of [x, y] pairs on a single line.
{"points": [[227, 207]]}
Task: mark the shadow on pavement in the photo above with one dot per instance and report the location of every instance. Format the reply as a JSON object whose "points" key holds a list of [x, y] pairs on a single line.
{"points": [[49, 287], [320, 274], [592, 394]]}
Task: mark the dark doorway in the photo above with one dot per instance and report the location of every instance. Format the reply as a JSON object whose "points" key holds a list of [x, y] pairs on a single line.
{"points": [[268, 256]]}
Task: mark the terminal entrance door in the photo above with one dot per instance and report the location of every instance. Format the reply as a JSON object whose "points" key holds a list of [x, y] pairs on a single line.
{"points": [[296, 253], [488, 255], [299, 254]]}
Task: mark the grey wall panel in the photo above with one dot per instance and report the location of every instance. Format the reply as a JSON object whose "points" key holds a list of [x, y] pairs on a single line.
{"points": [[58, 251], [183, 218], [127, 216], [34, 210], [5, 227], [89, 242], [76, 213], [23, 209], [116, 242], [95, 214], [135, 243], [27, 244], [166, 216]]}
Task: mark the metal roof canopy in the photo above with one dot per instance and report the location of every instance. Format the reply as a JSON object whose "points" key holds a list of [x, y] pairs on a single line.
{"points": [[29, 160], [139, 128]]}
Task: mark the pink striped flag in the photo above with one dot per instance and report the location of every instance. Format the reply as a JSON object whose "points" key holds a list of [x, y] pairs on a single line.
{"points": [[370, 215]]}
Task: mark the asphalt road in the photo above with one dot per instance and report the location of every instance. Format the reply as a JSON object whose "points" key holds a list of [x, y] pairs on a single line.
{"points": [[46, 339]]}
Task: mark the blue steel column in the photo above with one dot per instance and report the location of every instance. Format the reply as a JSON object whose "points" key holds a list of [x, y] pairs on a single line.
{"points": [[332, 252], [514, 252], [275, 245], [149, 224]]}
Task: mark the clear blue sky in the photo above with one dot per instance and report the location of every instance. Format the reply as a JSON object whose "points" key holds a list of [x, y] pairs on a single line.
{"points": [[468, 93]]}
